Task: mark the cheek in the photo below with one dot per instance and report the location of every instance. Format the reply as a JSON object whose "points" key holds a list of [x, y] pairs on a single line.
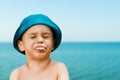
{"points": [[28, 44], [51, 44]]}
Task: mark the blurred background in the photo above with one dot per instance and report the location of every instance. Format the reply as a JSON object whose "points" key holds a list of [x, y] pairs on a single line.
{"points": [[80, 20]]}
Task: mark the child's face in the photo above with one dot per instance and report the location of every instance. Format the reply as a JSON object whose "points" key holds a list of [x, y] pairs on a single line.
{"points": [[37, 40]]}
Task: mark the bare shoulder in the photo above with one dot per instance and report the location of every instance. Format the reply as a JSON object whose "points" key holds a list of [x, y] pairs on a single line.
{"points": [[61, 65], [63, 73], [15, 74]]}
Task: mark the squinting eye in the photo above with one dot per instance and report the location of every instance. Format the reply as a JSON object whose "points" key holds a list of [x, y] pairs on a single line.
{"points": [[33, 37], [45, 36]]}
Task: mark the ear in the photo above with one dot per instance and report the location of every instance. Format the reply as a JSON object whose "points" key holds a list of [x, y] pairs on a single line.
{"points": [[20, 45], [53, 44]]}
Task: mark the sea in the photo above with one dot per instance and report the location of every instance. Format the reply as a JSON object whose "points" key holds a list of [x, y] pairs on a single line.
{"points": [[84, 60]]}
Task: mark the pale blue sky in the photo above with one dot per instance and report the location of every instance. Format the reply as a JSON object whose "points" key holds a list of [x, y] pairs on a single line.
{"points": [[79, 20]]}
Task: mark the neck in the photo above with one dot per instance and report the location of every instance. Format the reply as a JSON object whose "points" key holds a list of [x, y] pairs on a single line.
{"points": [[37, 66]]}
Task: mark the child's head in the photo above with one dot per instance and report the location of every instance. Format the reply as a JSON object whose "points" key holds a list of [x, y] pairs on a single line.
{"points": [[33, 21]]}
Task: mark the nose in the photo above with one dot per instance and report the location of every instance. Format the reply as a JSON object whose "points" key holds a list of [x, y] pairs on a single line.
{"points": [[40, 40]]}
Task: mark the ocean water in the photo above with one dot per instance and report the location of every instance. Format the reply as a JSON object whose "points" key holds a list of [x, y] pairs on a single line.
{"points": [[84, 60]]}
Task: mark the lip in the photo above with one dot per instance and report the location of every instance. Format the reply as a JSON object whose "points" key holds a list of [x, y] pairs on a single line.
{"points": [[40, 48]]}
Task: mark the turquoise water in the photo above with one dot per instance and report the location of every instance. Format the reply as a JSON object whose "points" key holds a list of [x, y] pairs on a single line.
{"points": [[85, 61]]}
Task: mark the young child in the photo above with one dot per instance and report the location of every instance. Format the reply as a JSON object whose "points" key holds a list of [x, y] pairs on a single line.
{"points": [[36, 37]]}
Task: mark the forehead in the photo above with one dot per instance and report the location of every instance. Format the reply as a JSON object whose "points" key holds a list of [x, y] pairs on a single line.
{"points": [[39, 28]]}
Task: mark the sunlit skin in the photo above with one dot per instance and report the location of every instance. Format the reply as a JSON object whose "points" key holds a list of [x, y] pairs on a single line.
{"points": [[38, 42]]}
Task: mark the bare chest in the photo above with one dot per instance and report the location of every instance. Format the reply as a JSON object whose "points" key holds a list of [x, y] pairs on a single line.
{"points": [[39, 76]]}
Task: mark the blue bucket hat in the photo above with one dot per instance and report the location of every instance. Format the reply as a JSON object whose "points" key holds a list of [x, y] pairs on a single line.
{"points": [[34, 20]]}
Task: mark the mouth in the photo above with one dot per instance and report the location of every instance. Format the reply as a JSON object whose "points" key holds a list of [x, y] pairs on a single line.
{"points": [[40, 48]]}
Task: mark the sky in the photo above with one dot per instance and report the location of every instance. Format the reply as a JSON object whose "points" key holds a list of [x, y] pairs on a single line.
{"points": [[79, 20]]}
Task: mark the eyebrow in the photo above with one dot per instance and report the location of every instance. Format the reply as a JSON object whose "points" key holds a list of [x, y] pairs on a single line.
{"points": [[33, 33], [49, 33]]}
